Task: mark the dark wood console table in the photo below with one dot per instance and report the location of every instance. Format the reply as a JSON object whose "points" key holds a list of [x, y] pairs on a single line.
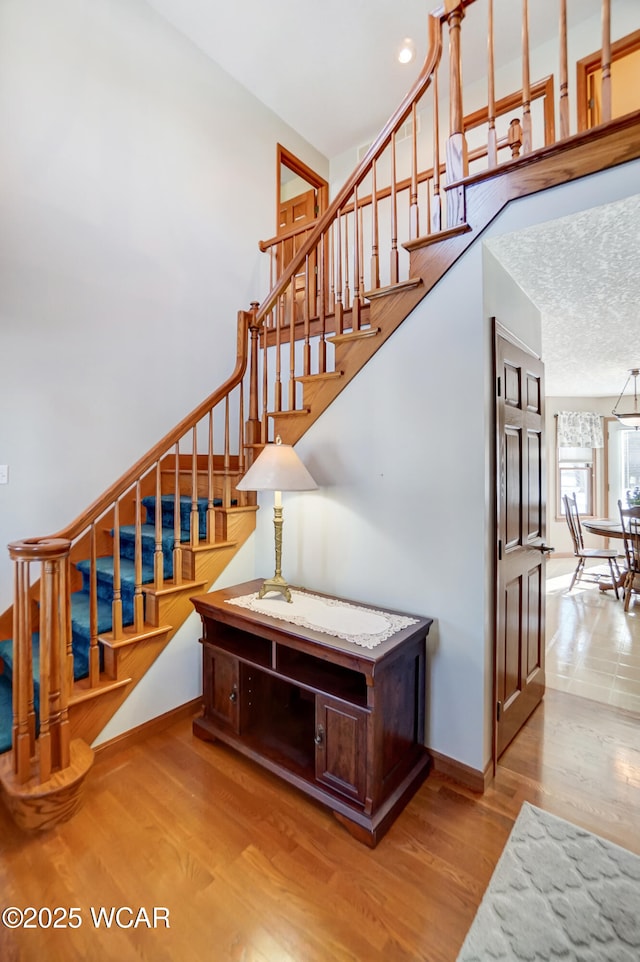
{"points": [[342, 722]]}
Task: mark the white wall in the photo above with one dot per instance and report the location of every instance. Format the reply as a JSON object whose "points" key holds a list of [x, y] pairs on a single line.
{"points": [[137, 178], [404, 514]]}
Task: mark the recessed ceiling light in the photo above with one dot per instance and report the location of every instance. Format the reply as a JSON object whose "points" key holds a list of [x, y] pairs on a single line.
{"points": [[406, 50]]}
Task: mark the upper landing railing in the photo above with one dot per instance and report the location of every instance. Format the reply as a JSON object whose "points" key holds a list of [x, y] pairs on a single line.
{"points": [[410, 187]]}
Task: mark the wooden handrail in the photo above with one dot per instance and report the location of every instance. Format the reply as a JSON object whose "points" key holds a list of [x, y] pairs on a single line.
{"points": [[380, 143]]}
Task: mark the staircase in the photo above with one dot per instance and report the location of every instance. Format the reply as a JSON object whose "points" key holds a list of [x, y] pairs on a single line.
{"points": [[112, 655], [114, 587]]}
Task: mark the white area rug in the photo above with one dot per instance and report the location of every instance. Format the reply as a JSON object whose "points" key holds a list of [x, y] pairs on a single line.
{"points": [[331, 616], [558, 892]]}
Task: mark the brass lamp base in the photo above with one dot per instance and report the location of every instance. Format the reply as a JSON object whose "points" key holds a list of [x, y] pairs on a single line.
{"points": [[277, 583]]}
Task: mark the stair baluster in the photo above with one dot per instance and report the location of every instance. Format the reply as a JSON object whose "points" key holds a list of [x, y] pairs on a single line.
{"points": [[564, 73], [194, 526], [526, 81], [393, 257], [94, 653], [138, 599], [292, 344], [177, 521], [117, 582], [241, 495], [226, 498], [414, 214], [492, 144], [339, 308], [211, 514], [158, 554], [322, 299]]}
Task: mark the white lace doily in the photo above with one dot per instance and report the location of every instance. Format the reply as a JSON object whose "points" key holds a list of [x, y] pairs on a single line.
{"points": [[361, 626]]}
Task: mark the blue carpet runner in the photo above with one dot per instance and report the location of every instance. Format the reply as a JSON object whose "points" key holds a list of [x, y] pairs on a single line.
{"points": [[80, 633], [5, 713]]}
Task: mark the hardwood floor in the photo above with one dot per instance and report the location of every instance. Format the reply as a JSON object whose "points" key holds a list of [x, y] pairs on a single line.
{"points": [[251, 871], [593, 644]]}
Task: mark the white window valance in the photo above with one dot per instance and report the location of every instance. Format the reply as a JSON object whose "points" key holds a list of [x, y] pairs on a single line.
{"points": [[580, 429]]}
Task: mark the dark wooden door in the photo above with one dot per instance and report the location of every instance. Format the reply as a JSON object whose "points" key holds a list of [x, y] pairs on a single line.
{"points": [[520, 598]]}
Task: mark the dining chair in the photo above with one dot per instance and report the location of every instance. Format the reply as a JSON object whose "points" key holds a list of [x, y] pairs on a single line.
{"points": [[630, 521], [583, 554]]}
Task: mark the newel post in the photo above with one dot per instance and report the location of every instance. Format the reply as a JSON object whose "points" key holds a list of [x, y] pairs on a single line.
{"points": [[52, 554], [456, 150], [253, 429], [42, 777]]}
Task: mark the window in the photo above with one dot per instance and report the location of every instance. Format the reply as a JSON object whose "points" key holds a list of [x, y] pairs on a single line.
{"points": [[575, 476], [630, 464]]}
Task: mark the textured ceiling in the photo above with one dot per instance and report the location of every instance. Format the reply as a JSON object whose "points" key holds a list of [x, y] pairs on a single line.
{"points": [[583, 274]]}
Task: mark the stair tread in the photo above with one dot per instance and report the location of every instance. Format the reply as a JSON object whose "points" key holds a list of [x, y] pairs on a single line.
{"points": [[104, 568], [396, 288], [148, 533], [442, 235]]}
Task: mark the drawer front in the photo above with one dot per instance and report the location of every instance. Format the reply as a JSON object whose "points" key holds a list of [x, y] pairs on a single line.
{"points": [[341, 747], [221, 688]]}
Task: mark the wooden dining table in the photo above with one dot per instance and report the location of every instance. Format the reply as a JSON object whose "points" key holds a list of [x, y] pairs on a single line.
{"points": [[606, 527]]}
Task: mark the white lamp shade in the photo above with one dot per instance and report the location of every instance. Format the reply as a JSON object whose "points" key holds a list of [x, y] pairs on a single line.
{"points": [[632, 418], [278, 468]]}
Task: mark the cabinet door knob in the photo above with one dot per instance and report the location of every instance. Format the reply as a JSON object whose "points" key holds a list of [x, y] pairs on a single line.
{"points": [[319, 735], [233, 696]]}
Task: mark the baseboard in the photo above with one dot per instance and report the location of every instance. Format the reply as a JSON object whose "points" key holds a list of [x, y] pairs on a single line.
{"points": [[151, 727], [472, 778]]}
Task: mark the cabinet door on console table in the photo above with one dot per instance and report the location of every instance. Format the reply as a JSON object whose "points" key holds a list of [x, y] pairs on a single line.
{"points": [[341, 747], [221, 682]]}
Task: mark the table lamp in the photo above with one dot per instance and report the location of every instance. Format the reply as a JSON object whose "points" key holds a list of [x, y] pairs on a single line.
{"points": [[278, 468]]}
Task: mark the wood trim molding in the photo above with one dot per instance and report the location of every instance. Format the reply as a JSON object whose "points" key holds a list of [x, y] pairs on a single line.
{"points": [[504, 332], [284, 158], [472, 778], [287, 159], [148, 728]]}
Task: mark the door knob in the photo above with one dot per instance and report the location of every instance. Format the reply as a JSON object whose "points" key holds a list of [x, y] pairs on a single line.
{"points": [[319, 735], [233, 696], [542, 547]]}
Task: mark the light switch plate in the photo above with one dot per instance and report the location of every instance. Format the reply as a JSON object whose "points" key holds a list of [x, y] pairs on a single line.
{"points": [[4, 474]]}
